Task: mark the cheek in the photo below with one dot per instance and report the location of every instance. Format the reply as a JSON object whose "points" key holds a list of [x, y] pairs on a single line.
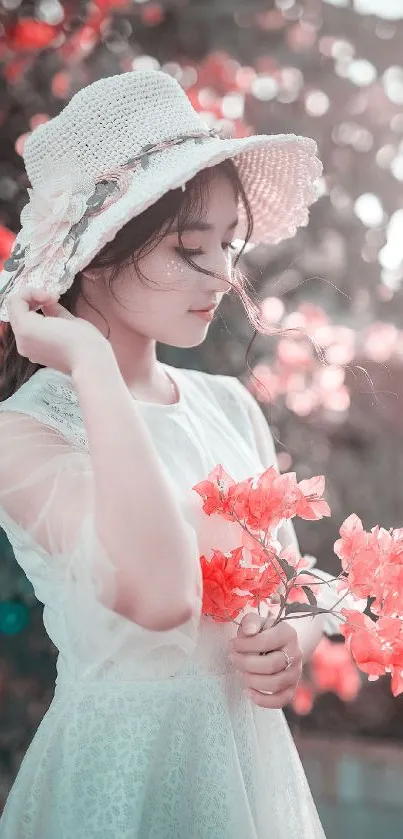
{"points": [[165, 269], [174, 268], [165, 274]]}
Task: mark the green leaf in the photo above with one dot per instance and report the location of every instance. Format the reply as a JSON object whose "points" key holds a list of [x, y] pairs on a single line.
{"points": [[297, 607], [311, 574], [288, 569], [293, 608], [310, 595]]}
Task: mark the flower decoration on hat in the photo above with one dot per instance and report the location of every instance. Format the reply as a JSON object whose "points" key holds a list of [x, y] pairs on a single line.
{"points": [[54, 207], [51, 212]]}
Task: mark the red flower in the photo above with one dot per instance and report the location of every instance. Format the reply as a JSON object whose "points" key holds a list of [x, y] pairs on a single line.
{"points": [[225, 585], [395, 665], [109, 5], [334, 670], [6, 242], [303, 698], [362, 640], [359, 555], [271, 498], [297, 594], [391, 632], [214, 492], [30, 34], [256, 573], [260, 555], [311, 506], [397, 682], [265, 584], [353, 540]]}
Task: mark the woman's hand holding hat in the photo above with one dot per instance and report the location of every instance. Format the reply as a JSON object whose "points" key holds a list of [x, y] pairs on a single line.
{"points": [[55, 338]]}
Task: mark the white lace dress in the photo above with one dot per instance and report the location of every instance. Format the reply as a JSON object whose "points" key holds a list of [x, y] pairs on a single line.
{"points": [[149, 734]]}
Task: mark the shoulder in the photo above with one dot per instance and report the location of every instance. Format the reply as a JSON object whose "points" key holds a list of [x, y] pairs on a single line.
{"points": [[241, 407], [49, 397], [225, 389], [40, 385]]}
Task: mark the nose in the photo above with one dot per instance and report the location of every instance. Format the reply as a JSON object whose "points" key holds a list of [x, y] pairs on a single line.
{"points": [[221, 265]]}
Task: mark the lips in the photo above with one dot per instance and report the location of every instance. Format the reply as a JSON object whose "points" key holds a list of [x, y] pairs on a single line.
{"points": [[204, 309], [204, 314]]}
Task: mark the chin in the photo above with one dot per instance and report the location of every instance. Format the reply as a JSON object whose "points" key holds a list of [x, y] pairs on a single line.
{"points": [[186, 340], [185, 343]]}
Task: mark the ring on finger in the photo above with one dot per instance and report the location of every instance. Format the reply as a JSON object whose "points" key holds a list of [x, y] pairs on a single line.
{"points": [[288, 658]]}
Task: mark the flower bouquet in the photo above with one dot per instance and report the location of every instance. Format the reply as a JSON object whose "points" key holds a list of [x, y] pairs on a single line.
{"points": [[260, 573]]}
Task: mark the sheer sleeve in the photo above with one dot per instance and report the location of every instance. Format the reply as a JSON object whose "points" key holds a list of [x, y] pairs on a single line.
{"points": [[47, 513], [46, 498], [328, 595]]}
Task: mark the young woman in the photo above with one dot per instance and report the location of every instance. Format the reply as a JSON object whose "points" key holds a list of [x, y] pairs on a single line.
{"points": [[165, 724]]}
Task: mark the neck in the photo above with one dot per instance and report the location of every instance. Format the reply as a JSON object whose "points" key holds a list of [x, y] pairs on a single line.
{"points": [[135, 354], [137, 360]]}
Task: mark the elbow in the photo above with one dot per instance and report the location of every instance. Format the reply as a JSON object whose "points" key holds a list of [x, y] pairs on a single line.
{"points": [[160, 617], [164, 621]]}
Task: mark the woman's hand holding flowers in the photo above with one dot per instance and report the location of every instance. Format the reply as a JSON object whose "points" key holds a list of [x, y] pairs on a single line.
{"points": [[261, 653]]}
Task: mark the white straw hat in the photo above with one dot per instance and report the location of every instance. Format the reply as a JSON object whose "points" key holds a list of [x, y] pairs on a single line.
{"points": [[118, 146]]}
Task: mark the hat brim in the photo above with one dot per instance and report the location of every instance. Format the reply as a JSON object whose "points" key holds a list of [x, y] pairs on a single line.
{"points": [[279, 174]]}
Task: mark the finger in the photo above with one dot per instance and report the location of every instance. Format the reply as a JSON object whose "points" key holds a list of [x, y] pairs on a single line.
{"points": [[250, 624], [27, 299], [266, 665], [47, 301], [274, 684], [17, 305], [56, 310], [273, 638], [277, 701], [41, 299], [29, 293]]}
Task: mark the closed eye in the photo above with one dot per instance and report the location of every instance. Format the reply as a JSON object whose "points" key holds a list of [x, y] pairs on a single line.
{"points": [[198, 252]]}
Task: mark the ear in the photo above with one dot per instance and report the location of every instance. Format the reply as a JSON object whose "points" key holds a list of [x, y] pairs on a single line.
{"points": [[90, 274]]}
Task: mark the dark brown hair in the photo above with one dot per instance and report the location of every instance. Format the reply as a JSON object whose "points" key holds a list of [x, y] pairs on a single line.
{"points": [[136, 239]]}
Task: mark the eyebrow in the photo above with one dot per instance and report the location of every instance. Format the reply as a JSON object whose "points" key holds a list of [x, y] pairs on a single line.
{"points": [[202, 226]]}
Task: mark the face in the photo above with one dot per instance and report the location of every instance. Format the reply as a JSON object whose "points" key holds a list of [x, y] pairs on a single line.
{"points": [[164, 307]]}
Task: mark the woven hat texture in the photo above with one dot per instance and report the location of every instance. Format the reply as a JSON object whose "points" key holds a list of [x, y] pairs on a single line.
{"points": [[115, 149]]}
